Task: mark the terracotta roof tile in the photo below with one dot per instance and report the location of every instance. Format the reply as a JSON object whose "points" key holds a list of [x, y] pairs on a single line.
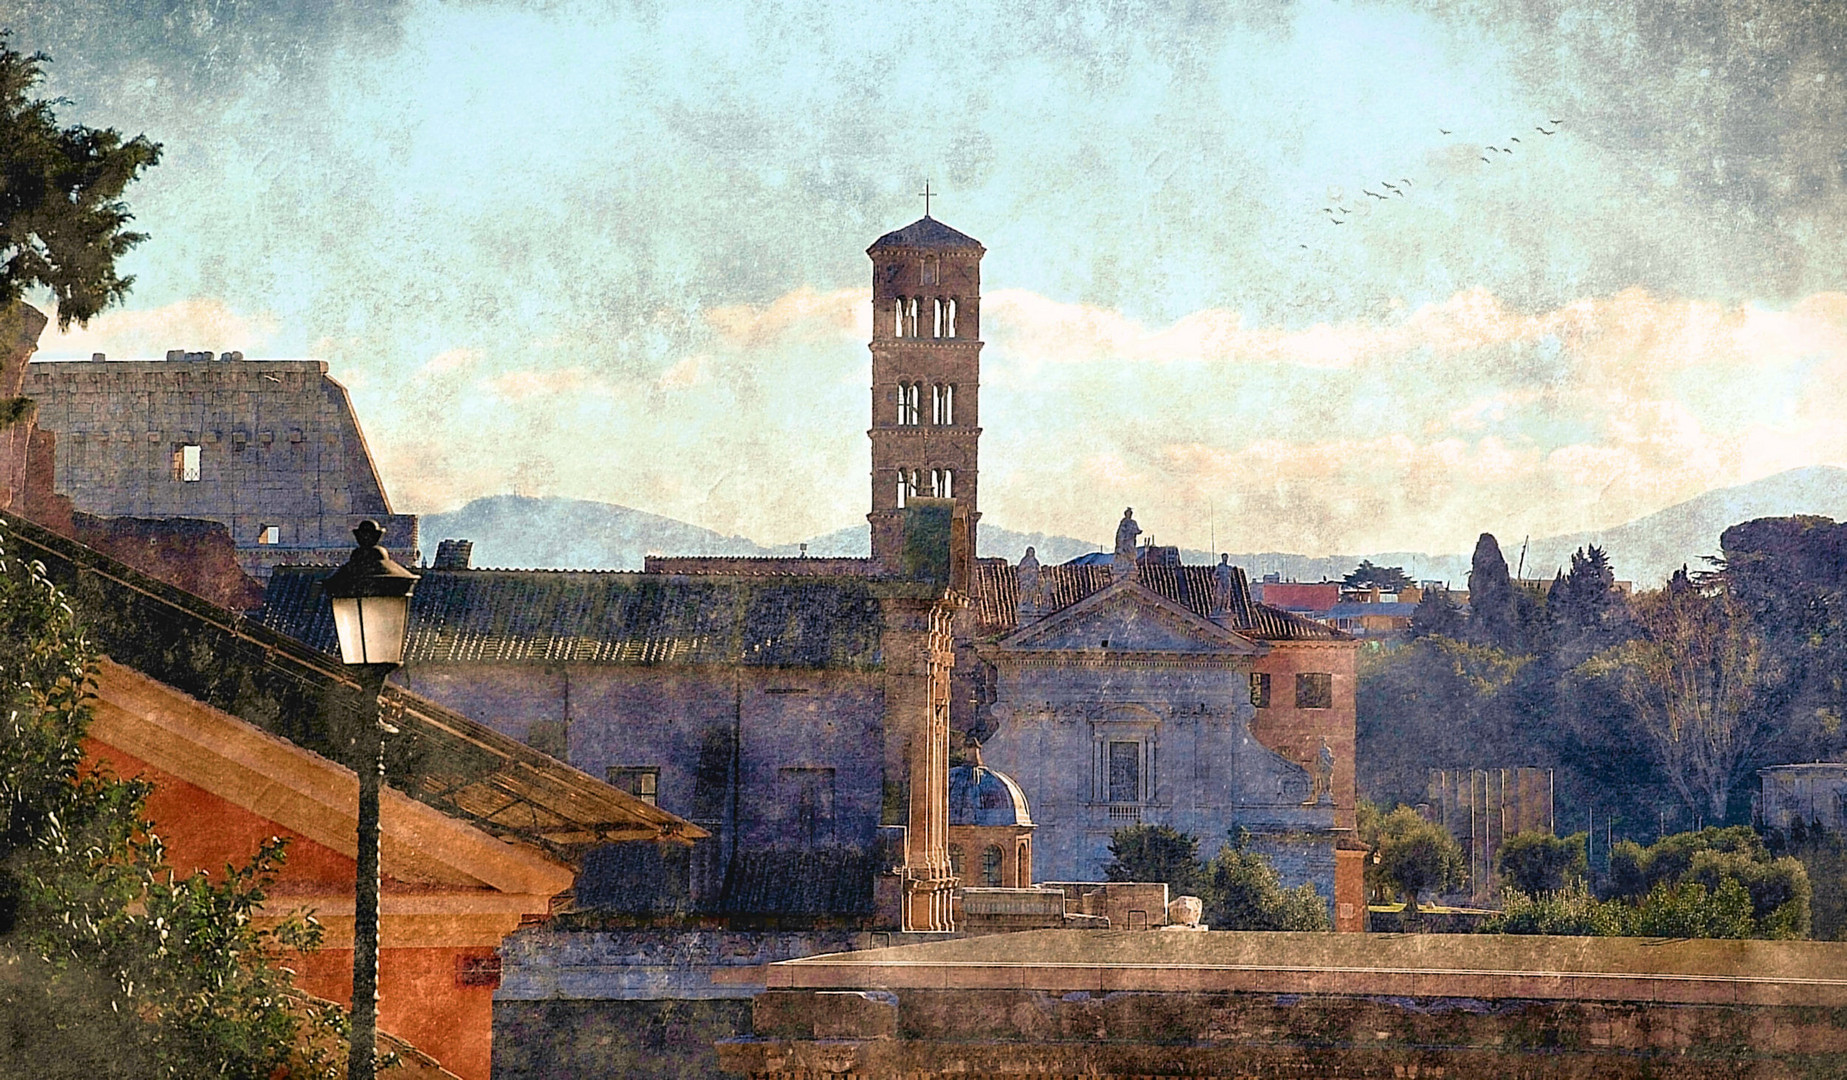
{"points": [[997, 598]]}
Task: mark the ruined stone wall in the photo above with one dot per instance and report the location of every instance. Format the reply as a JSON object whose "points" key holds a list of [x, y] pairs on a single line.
{"points": [[277, 446]]}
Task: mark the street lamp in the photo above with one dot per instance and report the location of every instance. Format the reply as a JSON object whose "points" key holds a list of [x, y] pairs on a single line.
{"points": [[371, 611]]}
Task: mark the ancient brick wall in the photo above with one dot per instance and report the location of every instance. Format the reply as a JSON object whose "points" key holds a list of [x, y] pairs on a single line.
{"points": [[277, 455]]}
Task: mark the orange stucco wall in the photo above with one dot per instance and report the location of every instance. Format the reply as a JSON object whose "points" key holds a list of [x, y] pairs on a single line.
{"points": [[419, 996], [1297, 733]]}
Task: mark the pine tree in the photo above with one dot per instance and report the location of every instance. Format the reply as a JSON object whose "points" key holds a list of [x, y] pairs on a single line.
{"points": [[62, 224]]}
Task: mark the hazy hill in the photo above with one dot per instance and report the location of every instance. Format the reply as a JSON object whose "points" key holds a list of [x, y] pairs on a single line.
{"points": [[515, 530], [1649, 549]]}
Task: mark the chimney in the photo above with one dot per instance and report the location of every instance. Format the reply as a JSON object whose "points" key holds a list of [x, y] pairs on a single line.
{"points": [[453, 554]]}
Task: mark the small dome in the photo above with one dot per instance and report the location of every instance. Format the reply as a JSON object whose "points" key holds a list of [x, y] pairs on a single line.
{"points": [[979, 795]]}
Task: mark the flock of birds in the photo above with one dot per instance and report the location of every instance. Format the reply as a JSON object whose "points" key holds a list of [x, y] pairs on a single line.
{"points": [[1386, 190]]}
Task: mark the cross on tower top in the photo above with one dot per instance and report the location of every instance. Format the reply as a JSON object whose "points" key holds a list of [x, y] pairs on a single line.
{"points": [[926, 193]]}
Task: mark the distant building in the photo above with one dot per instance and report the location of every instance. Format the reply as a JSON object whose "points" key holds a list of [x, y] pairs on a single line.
{"points": [[1311, 598], [1814, 793], [269, 448], [1146, 692]]}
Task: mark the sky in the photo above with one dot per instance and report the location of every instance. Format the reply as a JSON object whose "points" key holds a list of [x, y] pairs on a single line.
{"points": [[616, 252]]}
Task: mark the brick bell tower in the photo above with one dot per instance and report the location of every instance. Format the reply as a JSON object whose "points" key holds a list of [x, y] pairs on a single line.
{"points": [[926, 375]]}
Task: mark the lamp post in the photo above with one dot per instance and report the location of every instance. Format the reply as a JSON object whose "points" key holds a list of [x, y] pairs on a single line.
{"points": [[371, 612]]}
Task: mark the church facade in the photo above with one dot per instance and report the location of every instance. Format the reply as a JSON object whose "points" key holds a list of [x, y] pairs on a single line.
{"points": [[798, 708]]}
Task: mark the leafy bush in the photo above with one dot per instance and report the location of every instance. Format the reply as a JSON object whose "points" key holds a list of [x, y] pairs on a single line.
{"points": [[111, 965], [1243, 892], [1536, 863], [1155, 853], [1416, 855]]}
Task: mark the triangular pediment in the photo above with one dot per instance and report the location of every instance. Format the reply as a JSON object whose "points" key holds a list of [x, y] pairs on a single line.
{"points": [[1128, 617]]}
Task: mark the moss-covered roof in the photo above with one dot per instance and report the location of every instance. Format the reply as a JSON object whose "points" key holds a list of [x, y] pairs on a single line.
{"points": [[551, 616], [308, 697]]}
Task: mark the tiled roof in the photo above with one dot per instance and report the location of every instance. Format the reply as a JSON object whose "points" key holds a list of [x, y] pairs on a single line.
{"points": [[997, 598], [925, 232], [441, 757], [547, 616]]}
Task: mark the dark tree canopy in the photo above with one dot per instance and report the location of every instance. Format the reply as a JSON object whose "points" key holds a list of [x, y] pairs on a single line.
{"points": [[1389, 579], [1494, 617], [1536, 863], [1155, 853], [62, 222], [1437, 614], [1585, 597]]}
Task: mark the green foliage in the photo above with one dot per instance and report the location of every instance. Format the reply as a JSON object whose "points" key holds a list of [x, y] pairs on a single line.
{"points": [[1238, 889], [1585, 598], [1494, 616], [110, 964], [62, 224], [1243, 892], [1386, 578], [16, 410], [1537, 863], [1720, 883], [1572, 910], [1155, 853], [1416, 856], [1437, 613], [1436, 702]]}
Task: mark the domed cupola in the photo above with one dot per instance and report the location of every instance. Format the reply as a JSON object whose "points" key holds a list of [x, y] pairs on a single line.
{"points": [[982, 796]]}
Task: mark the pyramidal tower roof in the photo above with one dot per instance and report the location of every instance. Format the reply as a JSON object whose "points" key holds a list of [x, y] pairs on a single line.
{"points": [[926, 232]]}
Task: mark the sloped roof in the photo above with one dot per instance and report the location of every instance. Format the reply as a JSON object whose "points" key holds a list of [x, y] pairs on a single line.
{"points": [[926, 232], [997, 596], [548, 616], [442, 758]]}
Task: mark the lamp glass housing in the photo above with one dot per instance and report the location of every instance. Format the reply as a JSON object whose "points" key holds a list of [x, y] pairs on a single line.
{"points": [[371, 628]]}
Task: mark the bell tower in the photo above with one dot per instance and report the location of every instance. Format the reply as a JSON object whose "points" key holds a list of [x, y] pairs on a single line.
{"points": [[926, 376]]}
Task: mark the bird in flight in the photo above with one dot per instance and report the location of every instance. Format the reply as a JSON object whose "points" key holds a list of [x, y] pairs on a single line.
{"points": [[1444, 131], [1516, 138], [1543, 131], [1388, 187], [1374, 194], [1484, 157]]}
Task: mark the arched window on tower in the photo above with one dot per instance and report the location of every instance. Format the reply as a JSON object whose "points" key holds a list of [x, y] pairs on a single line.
{"points": [[907, 486], [943, 404], [910, 317], [942, 483], [897, 316], [910, 407], [949, 318]]}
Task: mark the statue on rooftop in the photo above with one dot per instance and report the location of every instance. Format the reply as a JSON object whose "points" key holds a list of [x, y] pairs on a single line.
{"points": [[1126, 532]]}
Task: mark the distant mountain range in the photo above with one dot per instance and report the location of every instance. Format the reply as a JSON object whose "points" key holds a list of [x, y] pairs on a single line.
{"points": [[521, 531]]}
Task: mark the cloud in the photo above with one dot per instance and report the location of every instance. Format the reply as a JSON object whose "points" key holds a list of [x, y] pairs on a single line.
{"points": [[148, 333]]}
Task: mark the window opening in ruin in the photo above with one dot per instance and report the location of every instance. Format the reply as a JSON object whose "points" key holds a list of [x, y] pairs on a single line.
{"points": [[641, 781], [897, 317], [1260, 689], [910, 317], [186, 463], [809, 794], [269, 534], [910, 404], [907, 487], [1125, 772], [943, 404], [1314, 690], [990, 867], [949, 318]]}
